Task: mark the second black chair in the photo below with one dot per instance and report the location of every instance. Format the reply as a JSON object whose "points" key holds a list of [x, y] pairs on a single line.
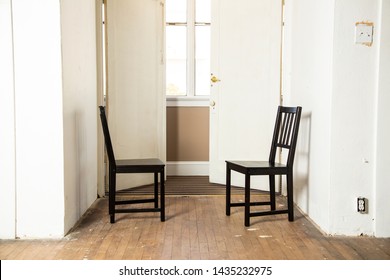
{"points": [[151, 165], [284, 137]]}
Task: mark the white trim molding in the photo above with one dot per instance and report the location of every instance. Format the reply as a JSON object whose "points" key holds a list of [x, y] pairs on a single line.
{"points": [[187, 168], [188, 101]]}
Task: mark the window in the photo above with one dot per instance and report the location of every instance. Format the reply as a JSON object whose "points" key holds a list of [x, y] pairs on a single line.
{"points": [[188, 49]]}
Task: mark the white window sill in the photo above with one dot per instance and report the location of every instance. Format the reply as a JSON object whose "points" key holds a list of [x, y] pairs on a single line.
{"points": [[188, 101]]}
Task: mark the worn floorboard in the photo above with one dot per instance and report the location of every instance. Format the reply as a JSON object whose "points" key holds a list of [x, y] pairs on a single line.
{"points": [[196, 228]]}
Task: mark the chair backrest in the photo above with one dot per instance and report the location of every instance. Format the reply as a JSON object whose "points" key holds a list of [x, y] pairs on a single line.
{"points": [[107, 138], [286, 132]]}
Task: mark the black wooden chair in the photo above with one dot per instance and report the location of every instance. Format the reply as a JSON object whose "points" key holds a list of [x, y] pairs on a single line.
{"points": [[285, 137], [152, 165]]}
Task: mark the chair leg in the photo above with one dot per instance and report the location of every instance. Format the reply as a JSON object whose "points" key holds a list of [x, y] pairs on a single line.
{"points": [[228, 189], [247, 198], [111, 195], [290, 197], [162, 196], [272, 191], [155, 189]]}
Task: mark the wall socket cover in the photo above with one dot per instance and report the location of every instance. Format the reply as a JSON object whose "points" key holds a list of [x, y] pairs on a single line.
{"points": [[362, 205], [364, 33]]}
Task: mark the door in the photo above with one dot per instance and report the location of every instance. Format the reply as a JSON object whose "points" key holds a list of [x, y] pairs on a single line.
{"points": [[135, 82], [245, 92]]}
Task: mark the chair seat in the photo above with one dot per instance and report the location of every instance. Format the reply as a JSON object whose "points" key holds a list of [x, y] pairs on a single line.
{"points": [[138, 165], [257, 167], [140, 162]]}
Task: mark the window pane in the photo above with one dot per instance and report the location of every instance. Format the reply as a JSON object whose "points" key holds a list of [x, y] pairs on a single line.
{"points": [[202, 60], [176, 10], [202, 12], [176, 64]]}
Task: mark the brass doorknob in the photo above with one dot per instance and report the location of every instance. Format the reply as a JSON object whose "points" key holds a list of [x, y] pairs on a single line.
{"points": [[215, 79]]}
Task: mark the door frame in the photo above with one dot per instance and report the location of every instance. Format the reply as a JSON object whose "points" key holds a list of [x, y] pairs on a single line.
{"points": [[101, 89]]}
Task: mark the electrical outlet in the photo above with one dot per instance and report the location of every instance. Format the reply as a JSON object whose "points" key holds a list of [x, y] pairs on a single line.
{"points": [[364, 33], [362, 205]]}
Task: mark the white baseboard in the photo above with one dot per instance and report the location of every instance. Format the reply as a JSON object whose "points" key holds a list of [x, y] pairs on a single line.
{"points": [[187, 168]]}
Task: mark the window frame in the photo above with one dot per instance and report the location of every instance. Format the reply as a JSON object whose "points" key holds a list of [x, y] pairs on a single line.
{"points": [[190, 99]]}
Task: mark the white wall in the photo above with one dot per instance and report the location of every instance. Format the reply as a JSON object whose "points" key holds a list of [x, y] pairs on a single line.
{"points": [[353, 118], [7, 124], [39, 125], [336, 82], [382, 176], [307, 76], [48, 86], [78, 37]]}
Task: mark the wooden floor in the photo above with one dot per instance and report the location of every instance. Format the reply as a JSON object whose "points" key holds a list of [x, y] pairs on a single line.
{"points": [[196, 229], [186, 185]]}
